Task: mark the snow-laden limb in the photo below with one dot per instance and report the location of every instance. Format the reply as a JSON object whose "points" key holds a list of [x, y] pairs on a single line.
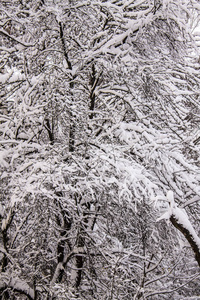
{"points": [[17, 285], [179, 219]]}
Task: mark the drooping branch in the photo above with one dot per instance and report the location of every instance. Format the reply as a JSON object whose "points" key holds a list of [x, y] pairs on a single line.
{"points": [[180, 220], [188, 235]]}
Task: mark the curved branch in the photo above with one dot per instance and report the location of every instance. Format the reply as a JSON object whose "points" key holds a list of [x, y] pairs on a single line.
{"points": [[188, 235]]}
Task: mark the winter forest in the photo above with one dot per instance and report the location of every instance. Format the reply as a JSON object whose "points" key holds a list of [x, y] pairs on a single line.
{"points": [[99, 149]]}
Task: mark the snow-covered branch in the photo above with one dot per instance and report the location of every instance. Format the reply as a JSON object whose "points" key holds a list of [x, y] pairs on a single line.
{"points": [[180, 220]]}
